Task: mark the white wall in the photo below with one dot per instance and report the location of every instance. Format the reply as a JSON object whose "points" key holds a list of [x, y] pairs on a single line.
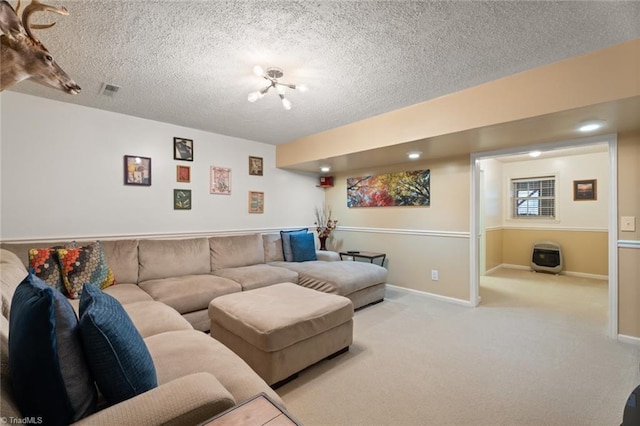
{"points": [[62, 176], [590, 215], [492, 193]]}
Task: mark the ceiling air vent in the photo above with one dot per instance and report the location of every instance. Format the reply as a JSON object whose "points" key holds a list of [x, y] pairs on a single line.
{"points": [[109, 90]]}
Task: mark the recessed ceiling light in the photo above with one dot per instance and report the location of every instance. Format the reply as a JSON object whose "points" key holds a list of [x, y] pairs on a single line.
{"points": [[591, 126], [325, 169], [535, 154], [413, 155]]}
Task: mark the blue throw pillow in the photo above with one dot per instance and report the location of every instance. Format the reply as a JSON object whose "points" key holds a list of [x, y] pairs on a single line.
{"points": [[286, 243], [303, 247], [117, 355], [50, 375]]}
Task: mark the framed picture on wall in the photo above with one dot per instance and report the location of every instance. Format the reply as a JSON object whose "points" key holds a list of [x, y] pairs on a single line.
{"points": [[182, 149], [256, 202], [182, 199], [584, 190], [137, 170], [183, 173], [220, 181], [255, 166]]}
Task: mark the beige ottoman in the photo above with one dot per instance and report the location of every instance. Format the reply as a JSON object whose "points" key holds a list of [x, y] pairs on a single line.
{"points": [[282, 329]]}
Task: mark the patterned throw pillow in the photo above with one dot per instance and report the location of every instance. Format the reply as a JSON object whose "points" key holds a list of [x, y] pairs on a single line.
{"points": [[44, 261], [84, 265]]}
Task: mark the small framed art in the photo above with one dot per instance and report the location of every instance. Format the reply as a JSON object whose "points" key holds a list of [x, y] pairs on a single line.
{"points": [[256, 202], [585, 190], [255, 166], [182, 149], [137, 170], [220, 182], [183, 173], [182, 199]]}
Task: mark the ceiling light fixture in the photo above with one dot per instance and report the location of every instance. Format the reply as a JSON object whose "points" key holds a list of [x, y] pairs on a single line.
{"points": [[535, 154], [414, 155], [325, 169], [591, 126], [272, 75]]}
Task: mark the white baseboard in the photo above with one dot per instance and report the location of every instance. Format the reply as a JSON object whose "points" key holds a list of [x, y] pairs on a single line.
{"points": [[629, 339], [569, 273], [436, 296]]}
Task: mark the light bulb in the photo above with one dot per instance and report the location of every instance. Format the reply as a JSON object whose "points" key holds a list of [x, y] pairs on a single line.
{"points": [[286, 103], [590, 126], [535, 154], [257, 70], [325, 169], [414, 155], [253, 96], [302, 87]]}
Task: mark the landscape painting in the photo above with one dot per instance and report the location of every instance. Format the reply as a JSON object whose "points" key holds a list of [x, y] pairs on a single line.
{"points": [[390, 189]]}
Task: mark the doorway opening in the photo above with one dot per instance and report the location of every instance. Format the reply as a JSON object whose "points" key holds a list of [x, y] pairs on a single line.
{"points": [[493, 222]]}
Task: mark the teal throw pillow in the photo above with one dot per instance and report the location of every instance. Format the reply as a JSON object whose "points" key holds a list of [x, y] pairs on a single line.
{"points": [[117, 355], [303, 247], [286, 242], [50, 376]]}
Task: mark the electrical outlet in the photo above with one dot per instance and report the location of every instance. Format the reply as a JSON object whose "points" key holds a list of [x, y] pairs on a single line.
{"points": [[434, 275], [628, 223]]}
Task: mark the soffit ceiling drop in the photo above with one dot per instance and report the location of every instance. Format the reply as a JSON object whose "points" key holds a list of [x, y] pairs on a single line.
{"points": [[190, 63]]}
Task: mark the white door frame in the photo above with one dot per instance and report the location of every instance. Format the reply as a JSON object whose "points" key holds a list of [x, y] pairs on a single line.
{"points": [[474, 240]]}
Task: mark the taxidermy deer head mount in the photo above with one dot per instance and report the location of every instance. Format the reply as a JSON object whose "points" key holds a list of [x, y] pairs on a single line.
{"points": [[23, 56]]}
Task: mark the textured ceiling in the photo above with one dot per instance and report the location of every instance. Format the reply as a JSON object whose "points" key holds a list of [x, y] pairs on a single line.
{"points": [[190, 62]]}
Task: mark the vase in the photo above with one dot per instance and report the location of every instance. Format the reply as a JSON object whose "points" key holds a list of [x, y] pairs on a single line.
{"points": [[323, 243]]}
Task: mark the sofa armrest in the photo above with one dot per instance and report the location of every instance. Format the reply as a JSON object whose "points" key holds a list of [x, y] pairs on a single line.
{"points": [[328, 256], [189, 400]]}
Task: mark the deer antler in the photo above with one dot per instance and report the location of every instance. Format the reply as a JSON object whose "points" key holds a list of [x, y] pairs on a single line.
{"points": [[36, 6]]}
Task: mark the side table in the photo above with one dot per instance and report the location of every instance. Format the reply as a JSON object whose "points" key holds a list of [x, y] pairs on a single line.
{"points": [[364, 255], [256, 411]]}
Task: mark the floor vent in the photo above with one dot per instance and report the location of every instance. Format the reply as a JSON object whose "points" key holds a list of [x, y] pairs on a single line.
{"points": [[546, 256]]}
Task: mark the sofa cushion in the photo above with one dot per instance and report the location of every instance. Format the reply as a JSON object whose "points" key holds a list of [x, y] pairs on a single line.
{"points": [[49, 371], [116, 353], [13, 272], [286, 242], [122, 258], [272, 244], [128, 293], [172, 258], [303, 247], [236, 250], [180, 353], [190, 292], [152, 318], [256, 276], [341, 278]]}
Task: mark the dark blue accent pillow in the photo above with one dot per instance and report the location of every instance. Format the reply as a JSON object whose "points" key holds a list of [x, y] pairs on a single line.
{"points": [[303, 247], [117, 355], [50, 375], [286, 243]]}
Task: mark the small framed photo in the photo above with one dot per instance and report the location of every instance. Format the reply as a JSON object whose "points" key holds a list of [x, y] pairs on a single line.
{"points": [[137, 170], [182, 199], [183, 173], [584, 190], [220, 182], [255, 166], [256, 202], [182, 149]]}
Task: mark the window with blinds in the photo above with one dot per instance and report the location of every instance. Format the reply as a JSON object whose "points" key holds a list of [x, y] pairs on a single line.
{"points": [[533, 198]]}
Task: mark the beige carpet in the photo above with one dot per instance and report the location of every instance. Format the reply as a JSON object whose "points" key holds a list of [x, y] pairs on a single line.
{"points": [[534, 353]]}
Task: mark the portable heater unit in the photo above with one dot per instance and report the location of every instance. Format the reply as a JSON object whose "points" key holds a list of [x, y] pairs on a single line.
{"points": [[546, 256]]}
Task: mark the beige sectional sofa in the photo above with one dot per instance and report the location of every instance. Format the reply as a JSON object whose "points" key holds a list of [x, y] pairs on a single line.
{"points": [[166, 286], [188, 273], [198, 377]]}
